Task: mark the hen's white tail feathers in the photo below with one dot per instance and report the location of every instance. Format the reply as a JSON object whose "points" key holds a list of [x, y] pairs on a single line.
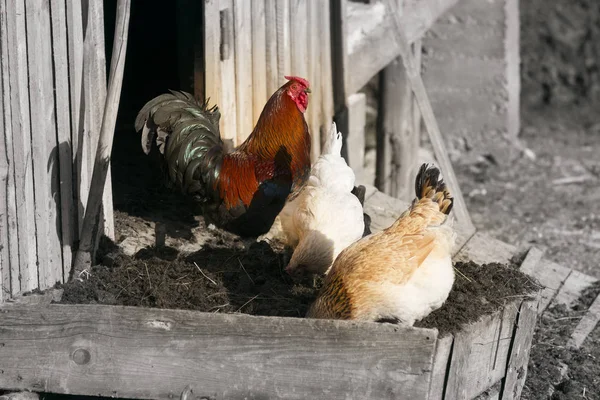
{"points": [[333, 143]]}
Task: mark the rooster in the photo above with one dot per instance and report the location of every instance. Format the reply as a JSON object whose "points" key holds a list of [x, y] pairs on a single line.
{"points": [[325, 217], [401, 274], [242, 190]]}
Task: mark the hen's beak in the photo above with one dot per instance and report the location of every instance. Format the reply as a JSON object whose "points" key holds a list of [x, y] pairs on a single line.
{"points": [[307, 90]]}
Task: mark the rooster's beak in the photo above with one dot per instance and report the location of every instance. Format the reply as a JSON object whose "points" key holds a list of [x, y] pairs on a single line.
{"points": [[307, 90]]}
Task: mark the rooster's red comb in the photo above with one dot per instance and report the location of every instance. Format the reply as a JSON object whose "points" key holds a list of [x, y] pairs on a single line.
{"points": [[301, 81]]}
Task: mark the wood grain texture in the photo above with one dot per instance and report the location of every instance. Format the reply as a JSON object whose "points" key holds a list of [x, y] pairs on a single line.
{"points": [[75, 54], [370, 29], [152, 353], [259, 59], [586, 325], [551, 276], [441, 360], [242, 44], [531, 260], [314, 117], [227, 82], [212, 52], [271, 46], [23, 274], [284, 56], [9, 235], [480, 354], [326, 78], [63, 128], [482, 249], [516, 371], [43, 144]]}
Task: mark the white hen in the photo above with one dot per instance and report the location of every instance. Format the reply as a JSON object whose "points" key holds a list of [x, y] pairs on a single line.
{"points": [[325, 217]]}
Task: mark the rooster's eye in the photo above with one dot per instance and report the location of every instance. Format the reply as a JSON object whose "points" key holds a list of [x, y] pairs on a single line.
{"points": [[294, 87]]}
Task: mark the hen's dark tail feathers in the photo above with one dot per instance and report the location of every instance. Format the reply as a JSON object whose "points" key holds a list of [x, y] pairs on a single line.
{"points": [[186, 132], [429, 185]]}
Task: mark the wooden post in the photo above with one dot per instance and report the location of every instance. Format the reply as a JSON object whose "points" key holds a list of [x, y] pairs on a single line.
{"points": [[94, 205], [416, 83], [339, 65], [357, 115]]}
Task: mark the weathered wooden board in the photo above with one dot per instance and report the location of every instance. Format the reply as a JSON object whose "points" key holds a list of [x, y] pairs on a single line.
{"points": [[242, 45], [63, 130], [326, 80], [212, 52], [573, 287], [551, 276], [586, 325], [480, 354], [271, 47], [24, 274], [9, 236], [152, 353], [259, 59], [227, 83], [43, 144], [519, 353], [284, 55], [371, 45], [314, 112], [482, 249], [441, 360]]}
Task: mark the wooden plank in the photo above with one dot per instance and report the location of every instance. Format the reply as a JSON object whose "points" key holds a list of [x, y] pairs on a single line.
{"points": [[128, 352], [9, 236], [441, 361], [531, 260], [551, 276], [284, 56], [314, 111], [573, 287], [357, 114], [271, 46], [212, 52], [483, 249], [75, 51], [227, 82], [326, 79], [516, 370], [370, 27], [586, 325], [35, 300], [24, 275], [480, 354], [259, 59], [242, 29], [63, 127], [44, 146]]}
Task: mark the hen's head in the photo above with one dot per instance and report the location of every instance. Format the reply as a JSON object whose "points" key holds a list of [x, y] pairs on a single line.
{"points": [[313, 255], [298, 89]]}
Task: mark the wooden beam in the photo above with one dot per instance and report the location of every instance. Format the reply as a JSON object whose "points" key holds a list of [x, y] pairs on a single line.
{"points": [[137, 352], [212, 53], [326, 74], [355, 142], [314, 111], [271, 46], [227, 83], [551, 276], [369, 29], [441, 361], [93, 209], [339, 68], [573, 287], [482, 248]]}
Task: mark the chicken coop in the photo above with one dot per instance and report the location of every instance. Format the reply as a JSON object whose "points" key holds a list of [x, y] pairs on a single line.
{"points": [[54, 88]]}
